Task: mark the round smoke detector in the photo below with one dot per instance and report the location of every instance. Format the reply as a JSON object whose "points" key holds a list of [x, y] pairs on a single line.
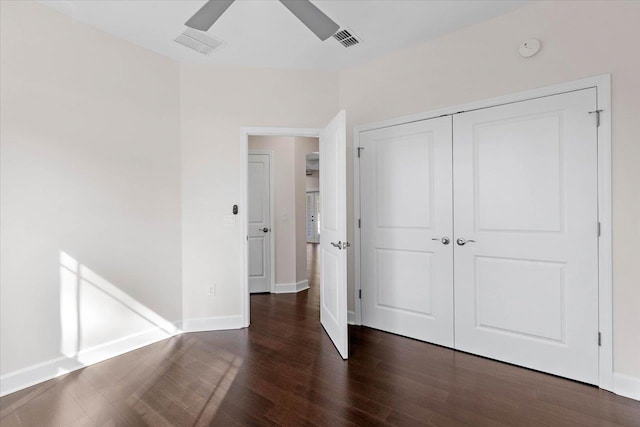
{"points": [[529, 48]]}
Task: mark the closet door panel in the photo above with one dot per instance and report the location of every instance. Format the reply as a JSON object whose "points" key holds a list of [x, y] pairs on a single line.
{"points": [[406, 205], [526, 289]]}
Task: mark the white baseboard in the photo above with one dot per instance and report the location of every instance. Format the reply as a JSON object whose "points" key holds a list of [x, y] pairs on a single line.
{"points": [[218, 323], [289, 288], [31, 375], [351, 317], [626, 385]]}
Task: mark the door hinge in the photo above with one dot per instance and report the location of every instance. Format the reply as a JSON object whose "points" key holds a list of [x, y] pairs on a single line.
{"points": [[359, 223], [597, 113], [359, 293], [599, 339], [599, 229], [360, 149]]}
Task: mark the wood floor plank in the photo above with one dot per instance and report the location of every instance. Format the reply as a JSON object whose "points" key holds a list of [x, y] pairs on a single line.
{"points": [[284, 370]]}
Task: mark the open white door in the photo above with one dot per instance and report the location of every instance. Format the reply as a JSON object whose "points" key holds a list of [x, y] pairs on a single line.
{"points": [[333, 232]]}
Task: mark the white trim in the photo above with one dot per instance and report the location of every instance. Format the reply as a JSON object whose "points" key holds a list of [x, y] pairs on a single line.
{"points": [[35, 374], [357, 313], [589, 82], [217, 323], [602, 84], [272, 197], [626, 385], [291, 288], [605, 243], [245, 132], [351, 317], [44, 371]]}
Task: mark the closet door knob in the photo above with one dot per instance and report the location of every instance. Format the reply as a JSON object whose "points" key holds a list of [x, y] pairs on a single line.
{"points": [[462, 242], [445, 240]]}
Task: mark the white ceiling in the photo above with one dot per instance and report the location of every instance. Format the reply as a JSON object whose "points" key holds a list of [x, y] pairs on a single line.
{"points": [[263, 33]]}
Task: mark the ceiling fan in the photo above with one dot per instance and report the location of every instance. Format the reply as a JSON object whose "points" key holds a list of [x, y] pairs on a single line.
{"points": [[319, 23]]}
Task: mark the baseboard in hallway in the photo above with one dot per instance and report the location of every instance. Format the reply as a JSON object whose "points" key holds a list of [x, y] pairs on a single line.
{"points": [[288, 288]]}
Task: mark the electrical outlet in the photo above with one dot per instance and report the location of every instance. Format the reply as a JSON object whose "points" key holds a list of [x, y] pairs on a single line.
{"points": [[211, 290]]}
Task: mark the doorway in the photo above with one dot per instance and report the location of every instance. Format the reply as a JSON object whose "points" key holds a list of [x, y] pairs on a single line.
{"points": [[333, 232], [278, 213], [313, 210]]}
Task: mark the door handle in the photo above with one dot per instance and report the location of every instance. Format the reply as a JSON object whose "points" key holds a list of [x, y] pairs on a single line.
{"points": [[266, 230], [462, 242], [337, 245], [445, 240]]}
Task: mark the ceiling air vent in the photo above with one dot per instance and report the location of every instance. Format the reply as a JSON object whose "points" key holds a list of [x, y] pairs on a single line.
{"points": [[198, 41], [346, 37]]}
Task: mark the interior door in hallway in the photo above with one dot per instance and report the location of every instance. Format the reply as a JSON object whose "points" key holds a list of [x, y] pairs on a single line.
{"points": [[406, 230], [333, 233], [525, 201], [313, 217], [259, 226]]}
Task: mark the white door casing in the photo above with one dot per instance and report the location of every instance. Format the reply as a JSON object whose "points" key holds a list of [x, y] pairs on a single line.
{"points": [[526, 289], [259, 210], [333, 277], [406, 212]]}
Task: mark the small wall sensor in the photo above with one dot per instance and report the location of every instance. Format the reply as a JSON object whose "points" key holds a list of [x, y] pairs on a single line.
{"points": [[530, 47]]}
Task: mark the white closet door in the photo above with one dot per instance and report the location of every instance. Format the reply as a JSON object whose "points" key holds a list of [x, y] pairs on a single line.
{"points": [[526, 288], [406, 205]]}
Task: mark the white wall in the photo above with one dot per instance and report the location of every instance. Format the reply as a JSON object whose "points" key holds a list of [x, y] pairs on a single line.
{"points": [[580, 39], [215, 103], [90, 188]]}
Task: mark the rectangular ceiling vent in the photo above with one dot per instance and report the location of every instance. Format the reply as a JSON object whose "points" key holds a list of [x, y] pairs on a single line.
{"points": [[346, 37], [198, 41]]}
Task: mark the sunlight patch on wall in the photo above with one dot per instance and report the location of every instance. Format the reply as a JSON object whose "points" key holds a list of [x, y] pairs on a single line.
{"points": [[95, 313]]}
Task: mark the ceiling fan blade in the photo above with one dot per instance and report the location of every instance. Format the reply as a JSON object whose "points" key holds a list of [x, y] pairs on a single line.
{"points": [[321, 25], [204, 18]]}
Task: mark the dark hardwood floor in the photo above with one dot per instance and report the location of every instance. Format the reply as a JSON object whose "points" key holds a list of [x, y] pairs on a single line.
{"points": [[283, 370]]}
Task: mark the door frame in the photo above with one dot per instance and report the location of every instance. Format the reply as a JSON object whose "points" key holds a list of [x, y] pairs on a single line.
{"points": [[272, 243], [245, 133], [602, 83]]}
